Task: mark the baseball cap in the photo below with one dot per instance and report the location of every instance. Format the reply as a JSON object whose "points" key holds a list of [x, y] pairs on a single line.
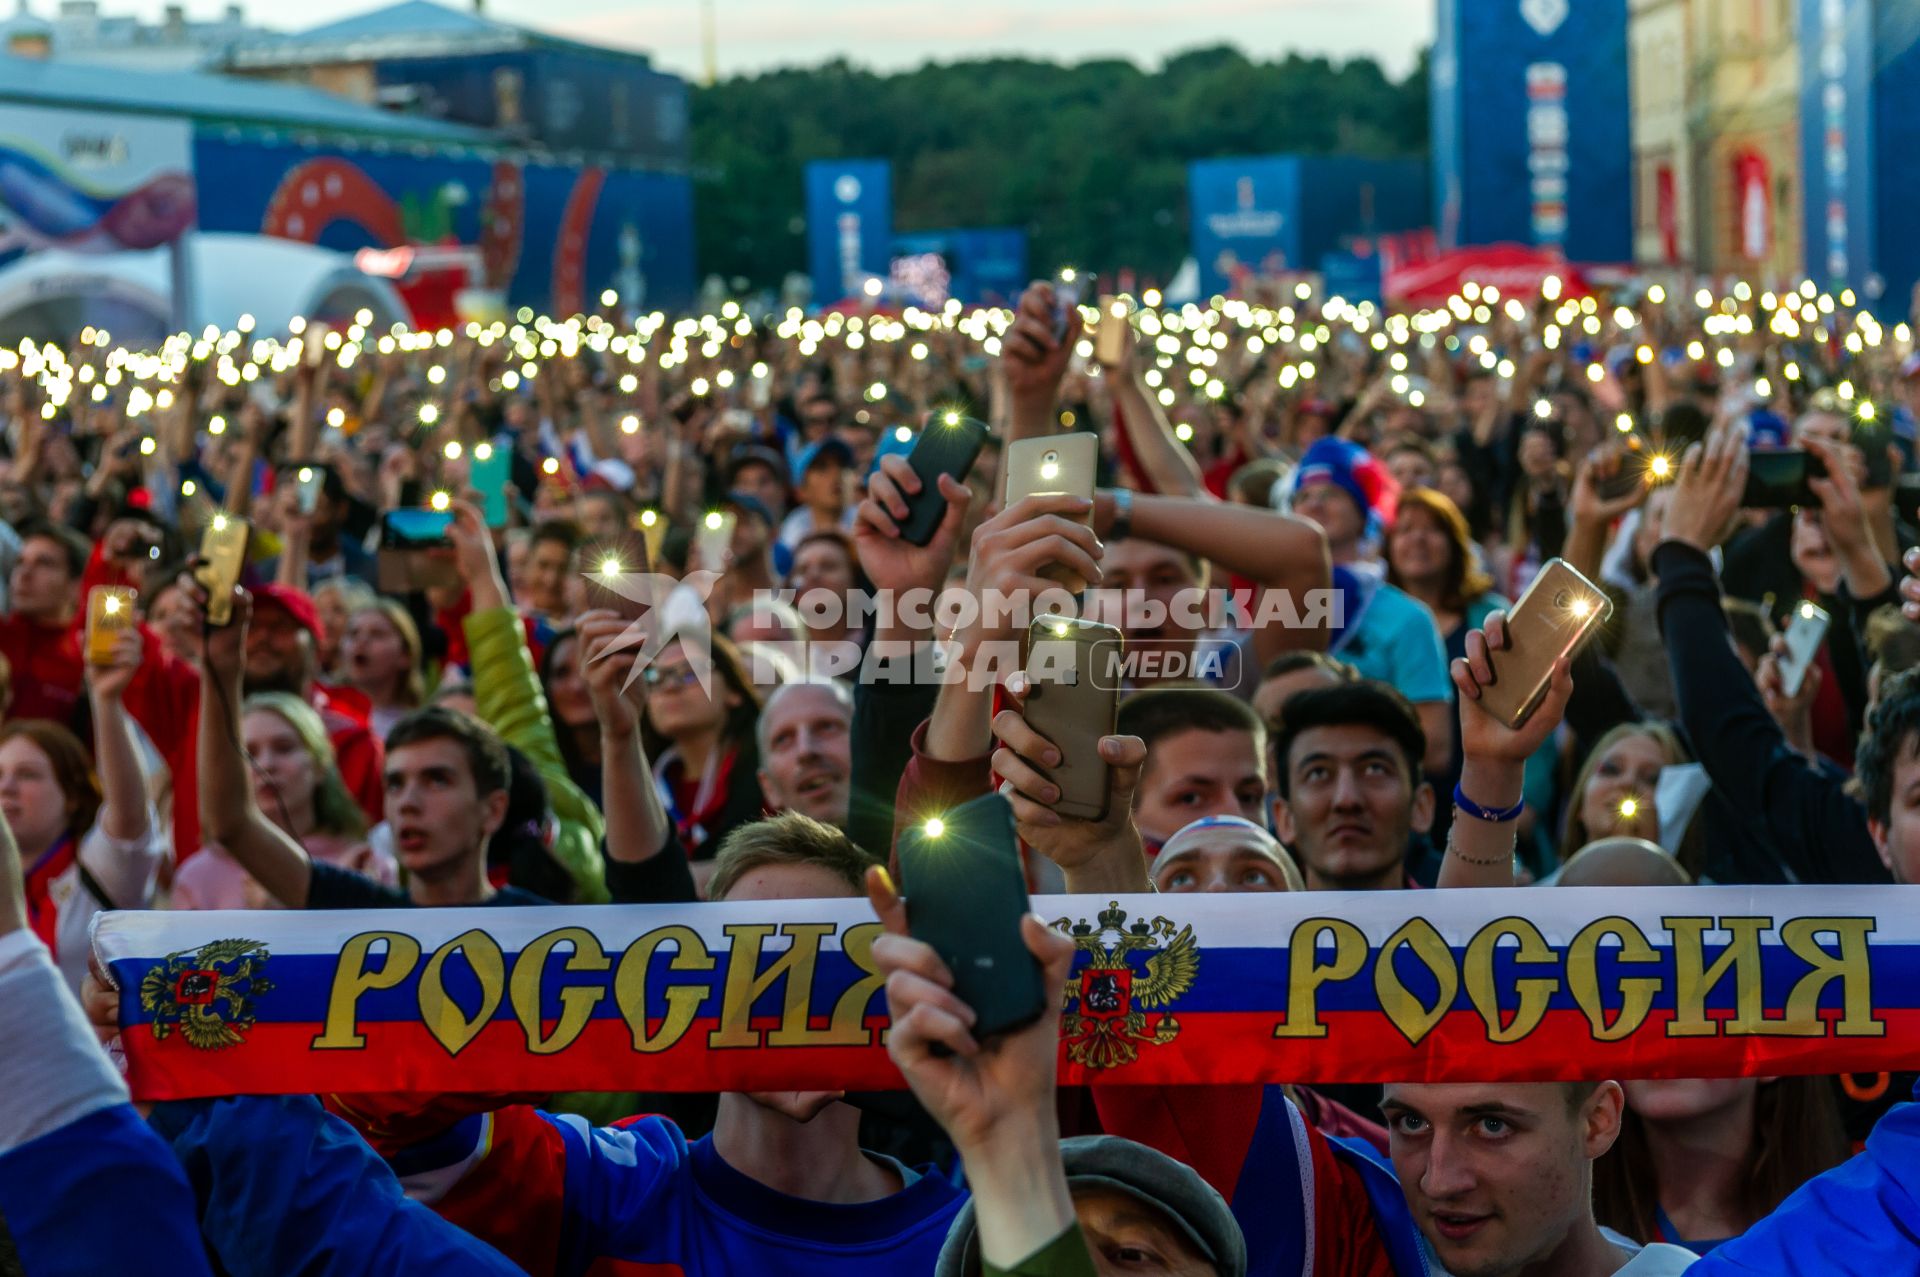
{"points": [[1150, 1177], [297, 604], [828, 449], [747, 503]]}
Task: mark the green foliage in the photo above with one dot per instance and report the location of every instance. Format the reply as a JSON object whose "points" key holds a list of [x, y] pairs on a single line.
{"points": [[1090, 158]]}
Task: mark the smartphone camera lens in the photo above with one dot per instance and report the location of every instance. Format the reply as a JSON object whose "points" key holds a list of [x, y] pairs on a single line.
{"points": [[1563, 599]]}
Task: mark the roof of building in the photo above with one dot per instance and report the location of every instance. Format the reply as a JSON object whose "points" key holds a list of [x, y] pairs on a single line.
{"points": [[408, 29], [215, 99]]}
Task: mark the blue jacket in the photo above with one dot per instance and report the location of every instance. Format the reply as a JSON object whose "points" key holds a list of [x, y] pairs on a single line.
{"points": [[1860, 1219]]}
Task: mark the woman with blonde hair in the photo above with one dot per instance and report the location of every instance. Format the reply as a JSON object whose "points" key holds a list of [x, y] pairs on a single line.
{"points": [[298, 787], [380, 658], [1613, 792]]}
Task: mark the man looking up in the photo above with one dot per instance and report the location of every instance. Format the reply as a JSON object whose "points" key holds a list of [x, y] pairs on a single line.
{"points": [[806, 749]]}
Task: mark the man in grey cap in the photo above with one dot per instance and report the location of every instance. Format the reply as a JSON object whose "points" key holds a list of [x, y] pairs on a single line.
{"points": [[1041, 1207]]}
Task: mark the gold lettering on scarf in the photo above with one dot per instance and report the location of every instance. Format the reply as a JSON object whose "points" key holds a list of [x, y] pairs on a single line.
{"points": [[576, 1001], [1407, 1013], [351, 979], [1534, 991], [449, 1023], [1306, 973], [1634, 994], [683, 1000]]}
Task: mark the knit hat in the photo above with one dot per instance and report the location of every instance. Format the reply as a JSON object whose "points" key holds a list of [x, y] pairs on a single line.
{"points": [[1353, 470], [1173, 1189]]}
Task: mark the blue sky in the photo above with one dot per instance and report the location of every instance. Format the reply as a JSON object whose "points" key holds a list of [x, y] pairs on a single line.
{"points": [[896, 33]]}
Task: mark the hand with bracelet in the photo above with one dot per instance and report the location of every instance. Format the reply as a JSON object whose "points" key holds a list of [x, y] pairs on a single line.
{"points": [[1487, 801]]}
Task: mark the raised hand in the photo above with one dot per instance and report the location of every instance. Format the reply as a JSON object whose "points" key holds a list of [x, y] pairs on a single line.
{"points": [[889, 562], [1706, 496], [1034, 359], [1484, 738], [979, 1092], [109, 682], [223, 647], [619, 699]]}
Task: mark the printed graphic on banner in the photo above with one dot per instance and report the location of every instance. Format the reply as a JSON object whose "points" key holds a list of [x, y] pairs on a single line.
{"points": [[1447, 986], [91, 182], [1547, 150], [849, 226]]}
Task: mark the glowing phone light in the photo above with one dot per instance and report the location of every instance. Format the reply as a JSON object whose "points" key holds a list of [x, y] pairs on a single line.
{"points": [[714, 521], [1049, 470], [936, 827], [1629, 808], [440, 501]]}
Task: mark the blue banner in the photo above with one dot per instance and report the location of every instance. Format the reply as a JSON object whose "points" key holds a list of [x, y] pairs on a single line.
{"points": [[1245, 217], [849, 225], [1530, 118]]}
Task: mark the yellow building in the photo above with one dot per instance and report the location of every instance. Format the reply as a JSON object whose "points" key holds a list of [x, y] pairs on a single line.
{"points": [[1716, 126]]}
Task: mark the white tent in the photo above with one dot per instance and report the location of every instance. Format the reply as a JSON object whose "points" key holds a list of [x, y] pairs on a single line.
{"points": [[51, 295]]}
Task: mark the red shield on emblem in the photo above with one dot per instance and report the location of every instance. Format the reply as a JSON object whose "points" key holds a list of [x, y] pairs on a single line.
{"points": [[196, 988], [1106, 993]]}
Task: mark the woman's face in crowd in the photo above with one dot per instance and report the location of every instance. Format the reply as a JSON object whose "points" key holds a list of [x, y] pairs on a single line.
{"points": [[373, 656], [172, 619], [566, 688], [1537, 456], [1333, 508], [1410, 469], [283, 769], [1419, 548], [1453, 481], [1629, 769], [675, 703], [1812, 552], [30, 796], [1686, 1100]]}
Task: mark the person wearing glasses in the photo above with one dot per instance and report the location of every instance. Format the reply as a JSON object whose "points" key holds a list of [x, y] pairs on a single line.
{"points": [[701, 743]]}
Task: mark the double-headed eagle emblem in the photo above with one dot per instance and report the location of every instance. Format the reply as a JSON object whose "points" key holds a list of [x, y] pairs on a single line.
{"points": [[206, 994], [1114, 996]]}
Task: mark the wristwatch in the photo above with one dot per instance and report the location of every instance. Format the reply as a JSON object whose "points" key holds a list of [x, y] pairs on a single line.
{"points": [[1121, 524]]}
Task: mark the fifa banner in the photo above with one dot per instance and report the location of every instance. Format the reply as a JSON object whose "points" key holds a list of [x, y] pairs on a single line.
{"points": [[1453, 985]]}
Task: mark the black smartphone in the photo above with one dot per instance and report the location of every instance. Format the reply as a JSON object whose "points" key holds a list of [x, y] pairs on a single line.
{"points": [[406, 562], [1777, 478], [966, 894], [948, 444], [1906, 498]]}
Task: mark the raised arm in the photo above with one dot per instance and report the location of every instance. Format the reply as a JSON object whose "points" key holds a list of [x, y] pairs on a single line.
{"points": [[124, 808], [1493, 763], [228, 813], [1034, 361], [1169, 467], [644, 860]]}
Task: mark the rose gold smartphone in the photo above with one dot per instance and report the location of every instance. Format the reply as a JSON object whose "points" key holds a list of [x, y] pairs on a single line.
{"points": [[223, 553], [1063, 463], [1560, 611], [109, 615], [1074, 668], [1110, 337]]}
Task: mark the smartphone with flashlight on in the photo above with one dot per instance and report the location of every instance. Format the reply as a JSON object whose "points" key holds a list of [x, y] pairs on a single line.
{"points": [[616, 575], [1110, 337], [1777, 478], [408, 539], [1559, 612], [949, 444], [1073, 669], [966, 893], [1066, 298], [714, 540], [1064, 463], [1640, 466], [490, 472], [313, 344], [223, 554], [308, 480], [1803, 637], [109, 615]]}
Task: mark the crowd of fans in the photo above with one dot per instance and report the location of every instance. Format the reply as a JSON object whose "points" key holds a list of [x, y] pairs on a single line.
{"points": [[486, 732]]}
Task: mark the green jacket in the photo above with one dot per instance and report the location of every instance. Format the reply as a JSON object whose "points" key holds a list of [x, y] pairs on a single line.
{"points": [[1065, 1256], [508, 695]]}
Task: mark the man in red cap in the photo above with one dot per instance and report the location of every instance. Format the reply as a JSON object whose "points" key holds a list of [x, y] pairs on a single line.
{"points": [[281, 658]]}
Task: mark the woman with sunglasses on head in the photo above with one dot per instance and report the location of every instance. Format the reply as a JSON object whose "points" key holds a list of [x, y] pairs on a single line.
{"points": [[701, 740]]}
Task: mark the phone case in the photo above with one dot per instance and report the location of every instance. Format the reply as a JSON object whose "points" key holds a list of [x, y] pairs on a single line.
{"points": [[1054, 463], [1073, 666], [947, 445], [1805, 632], [652, 527], [307, 494], [710, 548], [223, 554], [1110, 338], [966, 893], [490, 476], [109, 615], [1777, 478], [1560, 610]]}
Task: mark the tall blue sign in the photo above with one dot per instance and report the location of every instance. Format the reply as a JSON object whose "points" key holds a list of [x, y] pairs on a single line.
{"points": [[849, 225], [1244, 218], [1896, 143], [1530, 119], [1836, 132]]}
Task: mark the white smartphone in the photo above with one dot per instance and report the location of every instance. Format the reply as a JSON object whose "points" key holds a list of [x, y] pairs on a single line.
{"points": [[1804, 635]]}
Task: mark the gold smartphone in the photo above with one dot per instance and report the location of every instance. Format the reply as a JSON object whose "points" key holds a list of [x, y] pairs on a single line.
{"points": [[1110, 336], [1560, 610], [109, 615], [1074, 669], [1063, 463], [223, 554], [313, 344], [652, 525], [714, 540]]}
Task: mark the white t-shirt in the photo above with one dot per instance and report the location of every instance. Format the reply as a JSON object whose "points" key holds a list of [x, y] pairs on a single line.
{"points": [[126, 871]]}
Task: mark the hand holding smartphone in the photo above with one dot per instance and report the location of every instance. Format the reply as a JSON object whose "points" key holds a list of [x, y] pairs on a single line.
{"points": [[965, 894], [223, 555], [1777, 478], [1072, 670], [408, 539], [1111, 337], [1066, 299], [949, 444], [1803, 637], [1559, 612]]}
